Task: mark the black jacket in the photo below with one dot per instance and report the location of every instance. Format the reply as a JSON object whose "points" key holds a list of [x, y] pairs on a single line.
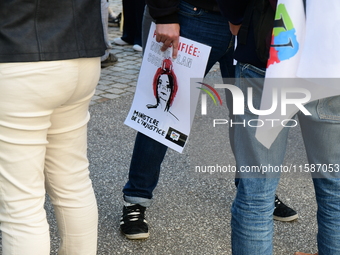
{"points": [[33, 30], [234, 11]]}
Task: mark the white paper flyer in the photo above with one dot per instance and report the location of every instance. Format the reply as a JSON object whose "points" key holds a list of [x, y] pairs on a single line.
{"points": [[163, 104]]}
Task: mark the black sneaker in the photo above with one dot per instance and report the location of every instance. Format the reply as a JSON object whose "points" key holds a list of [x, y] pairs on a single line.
{"points": [[133, 223], [283, 212], [111, 60], [115, 21]]}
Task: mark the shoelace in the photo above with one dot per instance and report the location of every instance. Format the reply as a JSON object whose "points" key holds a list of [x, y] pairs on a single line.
{"points": [[277, 201], [134, 215]]}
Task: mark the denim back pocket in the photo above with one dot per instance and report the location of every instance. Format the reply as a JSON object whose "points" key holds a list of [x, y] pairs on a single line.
{"points": [[329, 108]]}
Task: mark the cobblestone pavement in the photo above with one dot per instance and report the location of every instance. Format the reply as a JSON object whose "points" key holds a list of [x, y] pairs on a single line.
{"points": [[121, 78]]}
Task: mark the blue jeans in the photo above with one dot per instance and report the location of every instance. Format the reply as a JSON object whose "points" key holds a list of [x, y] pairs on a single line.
{"points": [[252, 209], [200, 25]]}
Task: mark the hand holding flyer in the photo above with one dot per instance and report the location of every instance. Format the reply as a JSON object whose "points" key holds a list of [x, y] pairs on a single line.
{"points": [[164, 102]]}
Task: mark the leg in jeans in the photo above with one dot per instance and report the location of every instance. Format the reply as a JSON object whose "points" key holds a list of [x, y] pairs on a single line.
{"points": [[252, 209], [148, 154], [145, 165], [321, 134]]}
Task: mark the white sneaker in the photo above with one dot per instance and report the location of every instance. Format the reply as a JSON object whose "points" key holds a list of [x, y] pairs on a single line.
{"points": [[137, 47], [119, 41]]}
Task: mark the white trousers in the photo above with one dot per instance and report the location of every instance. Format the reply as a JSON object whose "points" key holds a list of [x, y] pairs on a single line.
{"points": [[43, 147]]}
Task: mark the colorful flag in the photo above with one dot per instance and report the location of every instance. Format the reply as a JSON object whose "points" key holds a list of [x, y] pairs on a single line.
{"points": [[301, 57]]}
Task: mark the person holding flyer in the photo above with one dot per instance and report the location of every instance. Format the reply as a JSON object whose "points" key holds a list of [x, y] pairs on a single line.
{"points": [[252, 232], [148, 154], [174, 18]]}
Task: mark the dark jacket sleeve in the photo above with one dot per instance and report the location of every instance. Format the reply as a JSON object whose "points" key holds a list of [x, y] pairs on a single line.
{"points": [[163, 11], [273, 3], [233, 9]]}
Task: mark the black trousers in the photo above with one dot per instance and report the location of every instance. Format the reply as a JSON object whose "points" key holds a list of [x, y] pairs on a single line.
{"points": [[133, 15]]}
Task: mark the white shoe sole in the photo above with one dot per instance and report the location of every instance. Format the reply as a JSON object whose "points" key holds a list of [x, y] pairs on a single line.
{"points": [[138, 236], [119, 41], [136, 47], [291, 218]]}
